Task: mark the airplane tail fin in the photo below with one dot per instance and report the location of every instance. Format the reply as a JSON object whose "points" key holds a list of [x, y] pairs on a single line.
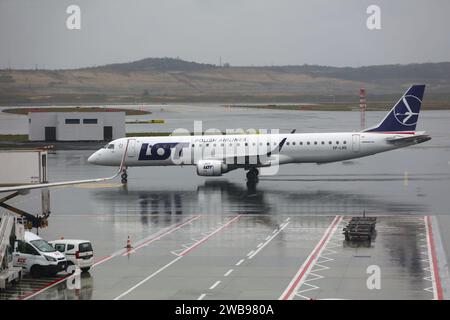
{"points": [[404, 115]]}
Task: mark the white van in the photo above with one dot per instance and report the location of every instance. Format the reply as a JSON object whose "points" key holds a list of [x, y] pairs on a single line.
{"points": [[38, 257], [77, 252]]}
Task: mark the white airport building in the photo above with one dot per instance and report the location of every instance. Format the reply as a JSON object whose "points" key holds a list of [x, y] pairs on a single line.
{"points": [[76, 126]]}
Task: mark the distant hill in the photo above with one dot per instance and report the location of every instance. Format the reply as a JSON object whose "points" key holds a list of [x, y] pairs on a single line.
{"points": [[422, 71], [171, 80], [155, 64]]}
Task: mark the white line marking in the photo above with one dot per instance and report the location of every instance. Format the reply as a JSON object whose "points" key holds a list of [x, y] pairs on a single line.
{"points": [[187, 250], [260, 244], [250, 253], [228, 273], [214, 285], [148, 278], [299, 278], [240, 261], [267, 238], [201, 296], [268, 241]]}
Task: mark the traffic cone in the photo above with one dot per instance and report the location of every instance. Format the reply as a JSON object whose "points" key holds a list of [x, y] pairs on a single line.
{"points": [[128, 243]]}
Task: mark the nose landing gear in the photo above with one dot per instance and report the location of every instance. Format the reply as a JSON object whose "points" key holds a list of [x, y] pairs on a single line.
{"points": [[124, 176]]}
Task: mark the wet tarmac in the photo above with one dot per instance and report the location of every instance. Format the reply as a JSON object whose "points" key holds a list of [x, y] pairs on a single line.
{"points": [[222, 238]]}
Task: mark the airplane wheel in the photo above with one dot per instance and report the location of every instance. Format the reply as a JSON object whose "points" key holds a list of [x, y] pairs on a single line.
{"points": [[124, 176], [124, 181], [252, 174]]}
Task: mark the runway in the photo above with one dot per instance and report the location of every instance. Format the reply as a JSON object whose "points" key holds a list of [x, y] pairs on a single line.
{"points": [[223, 238]]}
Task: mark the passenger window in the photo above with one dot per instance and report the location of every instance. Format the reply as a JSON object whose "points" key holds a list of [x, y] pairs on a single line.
{"points": [[337, 142], [308, 143], [60, 247], [345, 142], [329, 142], [287, 143], [293, 143], [301, 143], [70, 247], [315, 142], [323, 142]]}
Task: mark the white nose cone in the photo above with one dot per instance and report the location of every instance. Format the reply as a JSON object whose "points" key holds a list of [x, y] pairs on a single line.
{"points": [[93, 158]]}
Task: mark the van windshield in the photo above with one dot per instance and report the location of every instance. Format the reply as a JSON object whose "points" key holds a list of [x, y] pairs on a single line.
{"points": [[84, 247], [42, 245]]}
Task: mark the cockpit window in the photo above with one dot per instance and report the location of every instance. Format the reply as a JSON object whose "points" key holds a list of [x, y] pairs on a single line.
{"points": [[111, 146], [105, 146]]}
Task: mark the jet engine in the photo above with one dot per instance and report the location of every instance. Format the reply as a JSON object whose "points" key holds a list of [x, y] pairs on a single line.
{"points": [[211, 168]]}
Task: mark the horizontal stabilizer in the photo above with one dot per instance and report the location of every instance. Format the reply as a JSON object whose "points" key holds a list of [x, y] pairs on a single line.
{"points": [[415, 139]]}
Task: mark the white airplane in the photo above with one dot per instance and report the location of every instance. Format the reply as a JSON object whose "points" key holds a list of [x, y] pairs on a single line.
{"points": [[214, 155]]}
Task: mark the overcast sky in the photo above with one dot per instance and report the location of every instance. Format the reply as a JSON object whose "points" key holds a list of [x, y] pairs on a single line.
{"points": [[242, 32]]}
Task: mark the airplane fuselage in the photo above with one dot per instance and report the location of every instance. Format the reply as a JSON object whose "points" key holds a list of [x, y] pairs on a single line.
{"points": [[284, 148]]}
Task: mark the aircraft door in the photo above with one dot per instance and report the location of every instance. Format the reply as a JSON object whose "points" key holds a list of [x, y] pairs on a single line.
{"points": [[131, 153], [355, 143]]}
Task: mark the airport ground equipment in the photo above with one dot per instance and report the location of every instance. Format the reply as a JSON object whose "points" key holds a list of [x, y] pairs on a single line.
{"points": [[31, 220], [360, 229], [11, 229], [23, 166]]}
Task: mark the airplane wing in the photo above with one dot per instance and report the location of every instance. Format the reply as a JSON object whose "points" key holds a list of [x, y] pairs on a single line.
{"points": [[64, 183], [415, 139]]}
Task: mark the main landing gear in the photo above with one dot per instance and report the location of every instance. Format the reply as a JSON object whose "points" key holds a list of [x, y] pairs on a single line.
{"points": [[252, 174], [124, 176]]}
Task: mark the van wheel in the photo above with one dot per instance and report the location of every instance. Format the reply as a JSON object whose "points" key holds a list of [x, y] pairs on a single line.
{"points": [[35, 271], [85, 269]]}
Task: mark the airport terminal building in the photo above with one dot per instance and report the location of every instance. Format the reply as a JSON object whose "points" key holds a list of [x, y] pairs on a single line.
{"points": [[76, 126]]}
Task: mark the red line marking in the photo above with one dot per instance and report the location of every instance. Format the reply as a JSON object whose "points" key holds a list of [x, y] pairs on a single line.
{"points": [[393, 132], [195, 245], [48, 285], [159, 236], [286, 296], [101, 260], [434, 259]]}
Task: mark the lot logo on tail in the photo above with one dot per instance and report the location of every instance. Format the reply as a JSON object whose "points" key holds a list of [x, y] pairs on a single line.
{"points": [[404, 111]]}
